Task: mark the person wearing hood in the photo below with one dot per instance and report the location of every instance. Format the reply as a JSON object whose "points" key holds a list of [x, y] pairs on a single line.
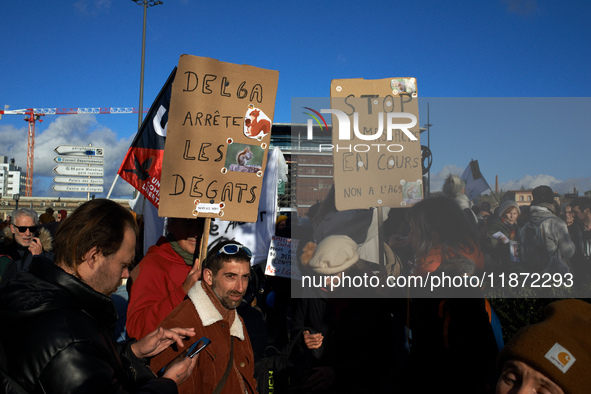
{"points": [[24, 239], [61, 215], [162, 280]]}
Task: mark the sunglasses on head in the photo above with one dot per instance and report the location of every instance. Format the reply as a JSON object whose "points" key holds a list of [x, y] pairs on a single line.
{"points": [[233, 249], [23, 229]]}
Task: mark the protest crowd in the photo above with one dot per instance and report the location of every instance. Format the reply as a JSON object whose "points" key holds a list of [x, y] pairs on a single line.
{"points": [[63, 328], [199, 290]]}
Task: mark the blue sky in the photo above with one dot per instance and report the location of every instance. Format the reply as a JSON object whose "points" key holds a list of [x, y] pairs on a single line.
{"points": [[466, 55]]}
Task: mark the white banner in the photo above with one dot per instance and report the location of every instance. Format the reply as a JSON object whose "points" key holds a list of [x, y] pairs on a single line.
{"points": [[281, 255], [255, 236]]}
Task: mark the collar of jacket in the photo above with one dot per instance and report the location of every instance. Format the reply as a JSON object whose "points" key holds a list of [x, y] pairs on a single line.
{"points": [[209, 314], [463, 201], [540, 210], [44, 236], [83, 297]]}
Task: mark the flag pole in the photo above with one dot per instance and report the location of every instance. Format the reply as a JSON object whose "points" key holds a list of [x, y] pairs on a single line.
{"points": [[112, 185], [147, 126], [493, 193]]}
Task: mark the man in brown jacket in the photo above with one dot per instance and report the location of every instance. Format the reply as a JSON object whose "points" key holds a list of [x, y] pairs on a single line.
{"points": [[211, 309]]}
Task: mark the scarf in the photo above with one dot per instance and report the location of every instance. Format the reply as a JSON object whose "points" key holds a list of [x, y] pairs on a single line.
{"points": [[188, 257]]}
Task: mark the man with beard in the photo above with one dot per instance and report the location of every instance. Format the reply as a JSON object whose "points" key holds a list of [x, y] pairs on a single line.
{"points": [[56, 319], [24, 239], [164, 276], [211, 310]]}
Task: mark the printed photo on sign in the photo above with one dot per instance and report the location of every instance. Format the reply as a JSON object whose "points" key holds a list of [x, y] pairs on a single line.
{"points": [[404, 86], [244, 158], [412, 192]]}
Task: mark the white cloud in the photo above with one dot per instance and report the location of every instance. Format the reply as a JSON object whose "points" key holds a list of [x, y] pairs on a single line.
{"points": [[560, 186], [13, 143], [582, 184], [522, 7], [66, 130], [92, 7]]}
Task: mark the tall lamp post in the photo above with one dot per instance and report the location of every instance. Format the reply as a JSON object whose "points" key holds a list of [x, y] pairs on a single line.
{"points": [[16, 197], [145, 4], [428, 128]]}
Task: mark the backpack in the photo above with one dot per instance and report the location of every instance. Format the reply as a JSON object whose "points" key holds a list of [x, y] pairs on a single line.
{"points": [[532, 245], [276, 373]]}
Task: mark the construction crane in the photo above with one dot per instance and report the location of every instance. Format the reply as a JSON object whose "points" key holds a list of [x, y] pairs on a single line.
{"points": [[34, 114]]}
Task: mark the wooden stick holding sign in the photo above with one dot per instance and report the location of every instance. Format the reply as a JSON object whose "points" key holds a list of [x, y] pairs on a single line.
{"points": [[382, 262], [204, 242], [375, 145]]}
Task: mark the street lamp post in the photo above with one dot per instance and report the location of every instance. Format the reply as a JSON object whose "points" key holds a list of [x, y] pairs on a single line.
{"points": [[428, 126], [145, 4], [16, 197]]}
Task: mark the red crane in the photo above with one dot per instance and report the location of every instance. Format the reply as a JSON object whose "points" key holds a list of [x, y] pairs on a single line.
{"points": [[34, 114]]}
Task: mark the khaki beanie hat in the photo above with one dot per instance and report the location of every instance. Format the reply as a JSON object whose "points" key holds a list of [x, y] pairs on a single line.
{"points": [[334, 254], [559, 347]]}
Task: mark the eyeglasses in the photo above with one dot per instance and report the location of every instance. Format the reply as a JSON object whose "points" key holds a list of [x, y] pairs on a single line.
{"points": [[23, 229], [233, 249]]}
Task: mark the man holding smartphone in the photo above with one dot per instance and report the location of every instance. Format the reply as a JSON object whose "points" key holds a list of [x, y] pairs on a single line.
{"points": [[228, 363], [57, 318], [24, 239]]}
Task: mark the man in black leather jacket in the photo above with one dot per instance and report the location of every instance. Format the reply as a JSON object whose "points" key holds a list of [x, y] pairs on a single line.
{"points": [[56, 320]]}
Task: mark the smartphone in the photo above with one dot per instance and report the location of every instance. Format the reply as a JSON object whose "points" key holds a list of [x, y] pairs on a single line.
{"points": [[198, 346], [190, 352]]}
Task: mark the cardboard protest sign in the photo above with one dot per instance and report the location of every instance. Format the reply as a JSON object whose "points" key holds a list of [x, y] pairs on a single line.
{"points": [[281, 255], [376, 143], [218, 138]]}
